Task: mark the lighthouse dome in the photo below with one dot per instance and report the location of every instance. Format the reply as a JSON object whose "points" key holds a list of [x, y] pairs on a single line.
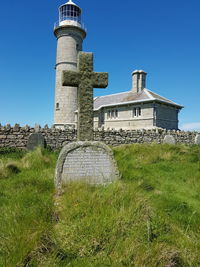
{"points": [[70, 2], [70, 14]]}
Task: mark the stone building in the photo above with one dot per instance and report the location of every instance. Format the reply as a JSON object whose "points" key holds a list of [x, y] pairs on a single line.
{"points": [[138, 108]]}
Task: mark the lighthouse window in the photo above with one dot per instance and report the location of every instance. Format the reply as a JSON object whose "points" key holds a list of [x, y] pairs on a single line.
{"points": [[77, 47], [70, 12], [57, 106]]}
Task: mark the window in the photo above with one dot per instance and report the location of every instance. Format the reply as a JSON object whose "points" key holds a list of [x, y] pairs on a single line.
{"points": [[137, 112], [108, 114], [69, 12], [57, 106], [112, 114]]}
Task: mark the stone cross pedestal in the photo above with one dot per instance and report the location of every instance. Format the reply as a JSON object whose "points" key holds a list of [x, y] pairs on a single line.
{"points": [[85, 79], [85, 159]]}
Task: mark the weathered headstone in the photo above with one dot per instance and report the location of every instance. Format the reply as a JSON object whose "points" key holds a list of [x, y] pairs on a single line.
{"points": [[37, 128], [92, 162], [197, 139], [85, 159], [35, 140], [169, 139]]}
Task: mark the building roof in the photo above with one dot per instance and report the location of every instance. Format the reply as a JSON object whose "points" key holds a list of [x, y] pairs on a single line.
{"points": [[131, 98]]}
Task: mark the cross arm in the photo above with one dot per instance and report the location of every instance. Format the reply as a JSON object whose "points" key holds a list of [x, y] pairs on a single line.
{"points": [[100, 79], [70, 78]]}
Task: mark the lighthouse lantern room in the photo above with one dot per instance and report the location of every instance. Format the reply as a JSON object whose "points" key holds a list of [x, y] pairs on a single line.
{"points": [[70, 14]]}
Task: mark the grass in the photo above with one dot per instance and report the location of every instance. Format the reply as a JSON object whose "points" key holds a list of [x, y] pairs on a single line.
{"points": [[151, 217], [26, 203]]}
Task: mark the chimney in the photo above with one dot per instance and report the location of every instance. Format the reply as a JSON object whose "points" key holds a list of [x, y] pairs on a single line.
{"points": [[138, 80]]}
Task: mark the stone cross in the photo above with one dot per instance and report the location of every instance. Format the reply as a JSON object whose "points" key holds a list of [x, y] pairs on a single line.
{"points": [[85, 79]]}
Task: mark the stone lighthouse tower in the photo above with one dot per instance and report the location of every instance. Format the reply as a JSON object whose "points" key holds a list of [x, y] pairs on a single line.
{"points": [[70, 34]]}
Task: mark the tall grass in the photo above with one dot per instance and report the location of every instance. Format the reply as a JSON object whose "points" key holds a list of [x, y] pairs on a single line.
{"points": [[151, 217], [26, 204]]}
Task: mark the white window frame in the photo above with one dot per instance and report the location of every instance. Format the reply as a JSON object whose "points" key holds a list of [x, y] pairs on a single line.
{"points": [[112, 114], [136, 112]]}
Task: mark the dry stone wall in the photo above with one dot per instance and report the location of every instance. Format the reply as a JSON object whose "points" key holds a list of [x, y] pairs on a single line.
{"points": [[17, 136]]}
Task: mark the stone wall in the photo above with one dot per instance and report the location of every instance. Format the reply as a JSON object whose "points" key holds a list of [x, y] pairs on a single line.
{"points": [[18, 136], [55, 138]]}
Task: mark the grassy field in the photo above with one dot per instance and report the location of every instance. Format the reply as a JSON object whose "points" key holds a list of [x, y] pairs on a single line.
{"points": [[151, 217]]}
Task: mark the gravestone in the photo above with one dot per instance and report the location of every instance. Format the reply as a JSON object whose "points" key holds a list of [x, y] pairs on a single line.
{"points": [[169, 139], [37, 128], [197, 139], [85, 160], [92, 162], [35, 140]]}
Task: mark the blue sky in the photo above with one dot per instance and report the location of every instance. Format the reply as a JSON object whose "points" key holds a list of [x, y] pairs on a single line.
{"points": [[160, 37]]}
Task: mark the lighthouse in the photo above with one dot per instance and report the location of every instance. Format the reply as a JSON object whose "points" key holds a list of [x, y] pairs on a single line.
{"points": [[70, 34]]}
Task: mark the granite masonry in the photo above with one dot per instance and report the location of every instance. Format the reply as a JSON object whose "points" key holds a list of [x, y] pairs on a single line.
{"points": [[96, 164], [55, 139]]}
